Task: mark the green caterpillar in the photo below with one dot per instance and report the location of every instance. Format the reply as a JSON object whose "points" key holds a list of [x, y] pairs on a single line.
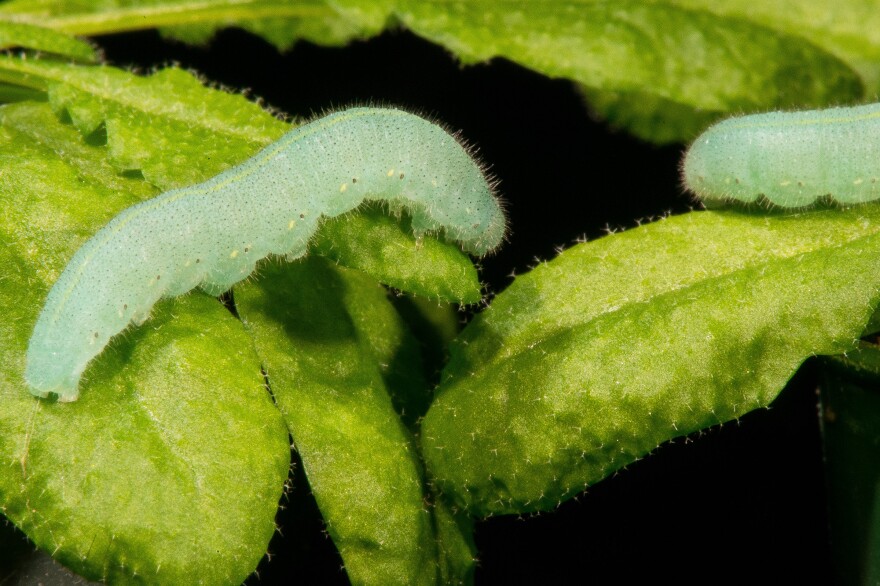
{"points": [[212, 234], [789, 158]]}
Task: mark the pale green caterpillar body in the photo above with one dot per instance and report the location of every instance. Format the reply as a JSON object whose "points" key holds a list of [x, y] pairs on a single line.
{"points": [[791, 159], [212, 234]]}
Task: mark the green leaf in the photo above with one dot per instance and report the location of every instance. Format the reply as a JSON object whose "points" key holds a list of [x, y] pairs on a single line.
{"points": [[455, 544], [29, 36], [681, 55], [170, 466], [329, 338], [36, 123], [313, 22], [696, 63], [89, 17], [378, 245], [281, 22], [168, 125], [92, 93], [593, 359], [685, 62]]}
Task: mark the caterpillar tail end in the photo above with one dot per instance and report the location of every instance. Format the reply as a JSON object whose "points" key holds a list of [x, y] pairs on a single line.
{"points": [[66, 390]]}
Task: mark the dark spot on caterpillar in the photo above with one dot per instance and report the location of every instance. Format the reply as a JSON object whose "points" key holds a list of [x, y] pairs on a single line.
{"points": [[198, 260], [401, 175], [737, 180], [301, 216], [247, 248], [97, 334], [125, 306], [354, 180], [158, 277]]}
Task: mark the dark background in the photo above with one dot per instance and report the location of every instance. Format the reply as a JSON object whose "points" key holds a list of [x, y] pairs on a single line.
{"points": [[742, 502]]}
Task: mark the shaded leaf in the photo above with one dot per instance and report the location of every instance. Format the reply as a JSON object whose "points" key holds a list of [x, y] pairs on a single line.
{"points": [[434, 325], [329, 338], [455, 544]]}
